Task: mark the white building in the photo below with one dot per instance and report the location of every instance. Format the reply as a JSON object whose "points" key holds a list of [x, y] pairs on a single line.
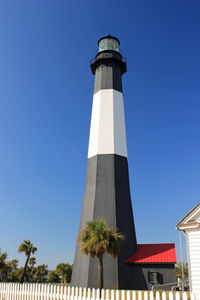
{"points": [[190, 225]]}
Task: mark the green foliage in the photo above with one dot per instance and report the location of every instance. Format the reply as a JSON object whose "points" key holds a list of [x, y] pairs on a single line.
{"points": [[68, 274], [65, 271], [32, 261], [3, 257], [53, 277], [28, 248], [97, 238], [41, 273], [3, 266], [13, 264], [9, 271]]}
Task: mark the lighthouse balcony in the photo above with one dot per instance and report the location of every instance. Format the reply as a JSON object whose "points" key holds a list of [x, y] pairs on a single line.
{"points": [[108, 55]]}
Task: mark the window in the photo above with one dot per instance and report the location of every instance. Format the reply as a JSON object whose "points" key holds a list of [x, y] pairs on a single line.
{"points": [[153, 277], [108, 44]]}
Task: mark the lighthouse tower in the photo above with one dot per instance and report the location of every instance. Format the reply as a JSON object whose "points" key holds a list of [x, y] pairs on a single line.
{"points": [[107, 192]]}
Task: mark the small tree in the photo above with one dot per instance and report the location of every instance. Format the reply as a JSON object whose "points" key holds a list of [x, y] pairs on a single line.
{"points": [[64, 270], [97, 239], [53, 277], [3, 266], [29, 249], [41, 273], [68, 274], [32, 261], [31, 269]]}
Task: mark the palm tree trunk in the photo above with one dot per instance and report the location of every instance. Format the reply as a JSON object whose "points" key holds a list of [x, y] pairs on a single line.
{"points": [[100, 267], [24, 271]]}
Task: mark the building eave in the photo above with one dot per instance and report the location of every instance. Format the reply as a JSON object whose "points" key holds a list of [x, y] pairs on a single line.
{"points": [[191, 214]]}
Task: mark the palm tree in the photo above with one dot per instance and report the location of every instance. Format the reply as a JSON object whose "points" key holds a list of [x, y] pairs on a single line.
{"points": [[32, 261], [3, 266], [14, 264], [96, 239], [41, 273], [64, 270], [28, 248], [31, 269]]}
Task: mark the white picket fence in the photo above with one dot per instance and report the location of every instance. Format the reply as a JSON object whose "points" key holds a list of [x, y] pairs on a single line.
{"points": [[36, 291]]}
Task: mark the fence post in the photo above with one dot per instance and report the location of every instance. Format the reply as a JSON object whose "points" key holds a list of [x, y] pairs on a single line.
{"points": [[102, 294], [72, 294], [112, 295], [145, 295], [80, 293], [6, 293], [192, 296], [2, 291], [98, 294], [84, 293], [134, 295], [117, 294], [164, 296], [47, 291], [15, 292], [68, 292], [177, 296], [39, 291], [58, 292], [25, 292], [35, 291], [184, 296], [31, 292], [171, 295], [42, 292], [54, 292], [61, 292], [151, 295], [123, 295], [65, 292], [140, 295], [93, 294], [157, 295]]}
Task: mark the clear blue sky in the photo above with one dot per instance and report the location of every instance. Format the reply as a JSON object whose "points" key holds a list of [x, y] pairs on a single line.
{"points": [[46, 90]]}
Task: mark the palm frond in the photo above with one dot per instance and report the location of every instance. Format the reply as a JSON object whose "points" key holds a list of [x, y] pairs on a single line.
{"points": [[97, 238]]}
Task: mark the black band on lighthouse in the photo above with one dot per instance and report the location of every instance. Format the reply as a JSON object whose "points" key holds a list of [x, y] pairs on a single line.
{"points": [[108, 68]]}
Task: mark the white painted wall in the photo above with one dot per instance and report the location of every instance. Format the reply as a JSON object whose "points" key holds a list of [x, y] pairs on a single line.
{"points": [[107, 131], [193, 249]]}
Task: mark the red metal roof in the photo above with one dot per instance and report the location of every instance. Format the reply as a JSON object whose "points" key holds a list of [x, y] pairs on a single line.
{"points": [[154, 253]]}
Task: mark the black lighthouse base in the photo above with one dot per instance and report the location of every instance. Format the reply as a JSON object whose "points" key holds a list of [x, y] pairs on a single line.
{"points": [[107, 196]]}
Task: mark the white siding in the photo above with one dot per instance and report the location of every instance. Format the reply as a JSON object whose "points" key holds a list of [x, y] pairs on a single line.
{"points": [[193, 245]]}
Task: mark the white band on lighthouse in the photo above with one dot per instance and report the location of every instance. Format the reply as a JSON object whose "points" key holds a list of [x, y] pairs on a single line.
{"points": [[107, 131]]}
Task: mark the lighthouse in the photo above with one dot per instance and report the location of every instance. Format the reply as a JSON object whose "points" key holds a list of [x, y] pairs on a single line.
{"points": [[107, 192]]}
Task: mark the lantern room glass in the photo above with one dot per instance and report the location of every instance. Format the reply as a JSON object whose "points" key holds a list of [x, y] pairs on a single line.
{"points": [[108, 44]]}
